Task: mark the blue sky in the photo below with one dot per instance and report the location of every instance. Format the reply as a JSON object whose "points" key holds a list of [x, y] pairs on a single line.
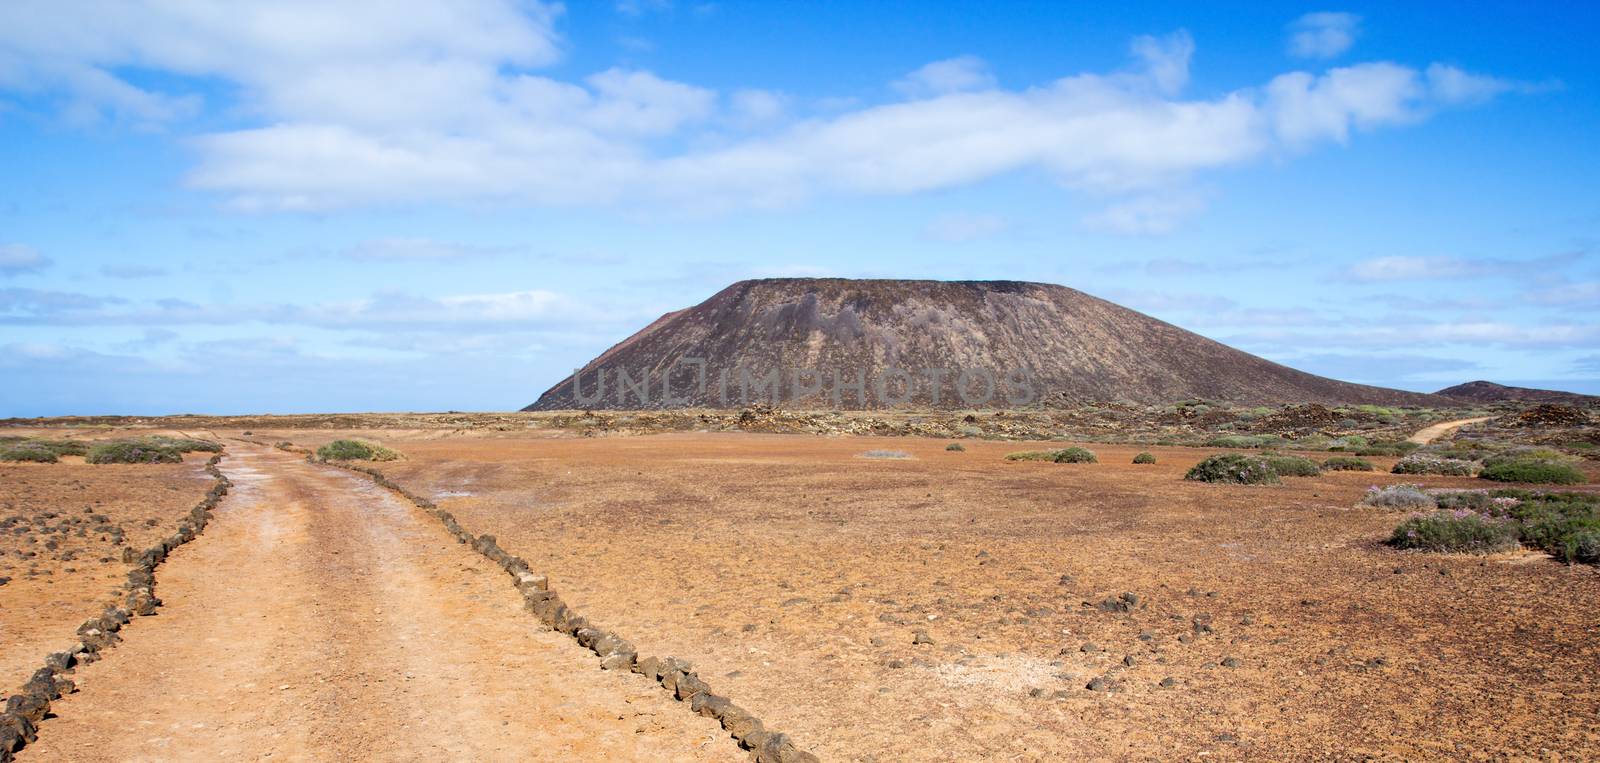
{"points": [[289, 207]]}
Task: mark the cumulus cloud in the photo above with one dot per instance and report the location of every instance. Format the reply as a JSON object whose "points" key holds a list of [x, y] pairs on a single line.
{"points": [[1323, 35], [952, 75], [351, 104], [16, 259]]}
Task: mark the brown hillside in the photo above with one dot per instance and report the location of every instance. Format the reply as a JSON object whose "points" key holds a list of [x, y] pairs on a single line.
{"points": [[1489, 392], [1079, 348]]}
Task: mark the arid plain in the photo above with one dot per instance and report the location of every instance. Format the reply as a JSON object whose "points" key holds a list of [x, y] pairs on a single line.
{"points": [[937, 605]]}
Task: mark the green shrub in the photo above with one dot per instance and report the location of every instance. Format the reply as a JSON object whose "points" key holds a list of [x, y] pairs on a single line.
{"points": [[1386, 448], [132, 452], [184, 444], [1232, 468], [1076, 456], [1144, 458], [1062, 456], [1399, 497], [355, 450], [1293, 466], [1460, 530], [1347, 464], [31, 452], [1582, 546], [63, 447], [955, 447], [1534, 471], [1421, 463]]}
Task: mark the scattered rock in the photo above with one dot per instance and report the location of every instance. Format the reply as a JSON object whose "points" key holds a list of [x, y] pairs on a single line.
{"points": [[921, 637]]}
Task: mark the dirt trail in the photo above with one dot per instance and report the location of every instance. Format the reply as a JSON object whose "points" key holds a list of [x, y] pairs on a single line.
{"points": [[1434, 431], [320, 618]]}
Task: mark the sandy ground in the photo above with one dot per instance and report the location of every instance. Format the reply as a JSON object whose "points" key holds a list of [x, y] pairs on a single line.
{"points": [[58, 545], [321, 618], [1433, 432], [1270, 622]]}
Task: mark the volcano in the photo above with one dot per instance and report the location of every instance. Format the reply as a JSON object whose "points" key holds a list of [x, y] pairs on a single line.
{"points": [[832, 343]]}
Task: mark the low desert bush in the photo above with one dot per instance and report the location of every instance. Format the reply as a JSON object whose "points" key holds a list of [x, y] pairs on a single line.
{"points": [[356, 450], [1347, 464], [1062, 456], [1232, 468], [133, 452], [1419, 463], [1246, 441], [28, 451], [1583, 546], [1076, 456], [184, 444], [1534, 465], [885, 454], [1293, 466], [1144, 458], [955, 447], [1534, 471], [1458, 530], [1386, 448], [1399, 497], [1565, 525]]}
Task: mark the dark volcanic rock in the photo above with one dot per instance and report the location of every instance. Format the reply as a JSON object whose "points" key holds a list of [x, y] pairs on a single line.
{"points": [[1079, 349]]}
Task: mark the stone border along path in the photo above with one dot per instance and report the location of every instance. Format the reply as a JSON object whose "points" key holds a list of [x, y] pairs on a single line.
{"points": [[676, 676], [19, 721]]}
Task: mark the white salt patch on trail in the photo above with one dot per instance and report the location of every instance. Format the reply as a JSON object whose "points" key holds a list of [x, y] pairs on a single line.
{"points": [[1014, 673]]}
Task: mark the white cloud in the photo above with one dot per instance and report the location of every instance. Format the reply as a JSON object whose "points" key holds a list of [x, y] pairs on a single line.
{"points": [[754, 108], [1401, 268], [1323, 35], [1583, 294], [1454, 86], [1411, 268], [352, 103], [402, 249], [952, 75], [131, 271], [16, 259], [964, 226], [1152, 214]]}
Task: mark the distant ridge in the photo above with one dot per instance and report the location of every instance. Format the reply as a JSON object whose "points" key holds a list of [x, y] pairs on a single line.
{"points": [[1489, 392], [1080, 348]]}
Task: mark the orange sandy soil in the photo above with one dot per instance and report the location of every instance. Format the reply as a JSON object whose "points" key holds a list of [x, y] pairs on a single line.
{"points": [[53, 591], [794, 574]]}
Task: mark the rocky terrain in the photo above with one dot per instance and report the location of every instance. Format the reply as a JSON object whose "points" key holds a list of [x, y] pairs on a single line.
{"points": [[694, 585], [906, 342], [67, 532], [955, 606]]}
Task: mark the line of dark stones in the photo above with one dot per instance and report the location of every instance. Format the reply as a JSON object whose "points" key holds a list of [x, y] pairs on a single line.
{"points": [[19, 722], [674, 675]]}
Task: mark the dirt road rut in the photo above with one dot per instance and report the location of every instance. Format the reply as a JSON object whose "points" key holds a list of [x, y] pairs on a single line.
{"points": [[322, 618]]}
